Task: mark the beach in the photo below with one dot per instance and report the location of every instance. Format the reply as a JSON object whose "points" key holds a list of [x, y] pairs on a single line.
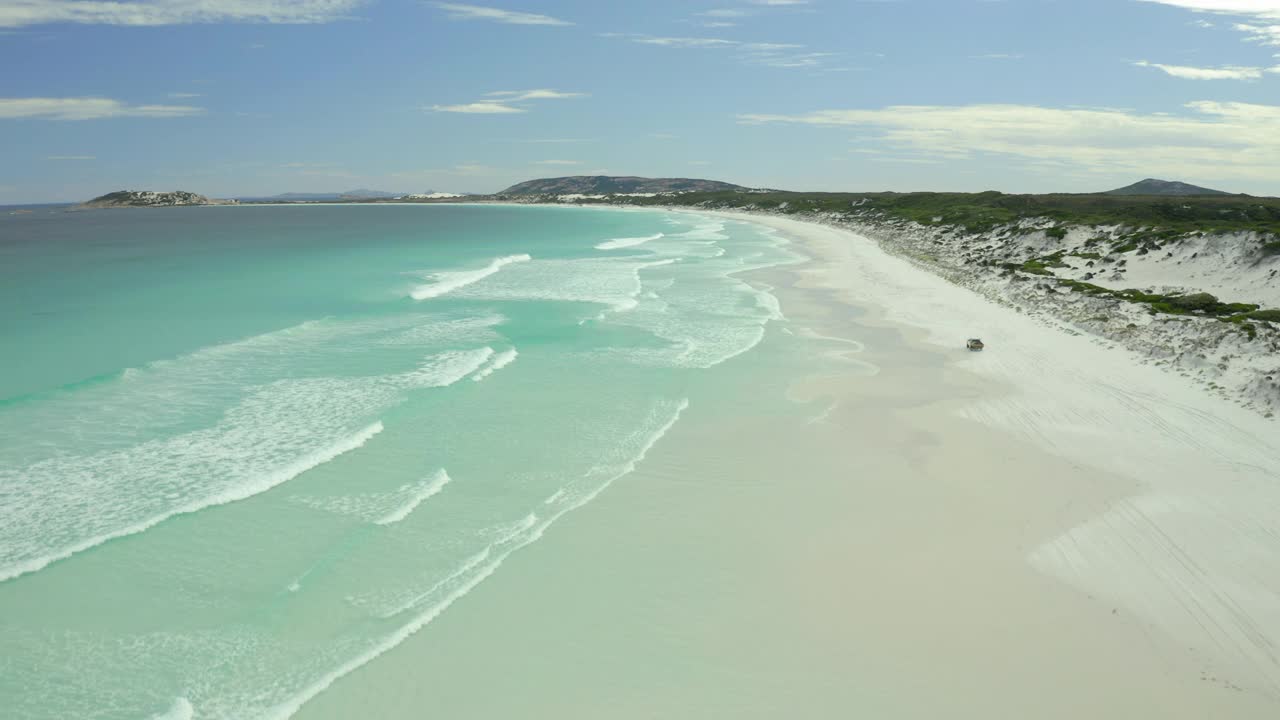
{"points": [[1044, 529], [584, 463]]}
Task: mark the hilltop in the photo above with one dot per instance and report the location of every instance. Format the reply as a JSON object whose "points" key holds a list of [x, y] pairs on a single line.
{"points": [[150, 198], [1152, 186], [608, 185]]}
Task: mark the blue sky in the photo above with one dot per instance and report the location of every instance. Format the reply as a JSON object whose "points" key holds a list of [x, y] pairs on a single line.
{"points": [[244, 97]]}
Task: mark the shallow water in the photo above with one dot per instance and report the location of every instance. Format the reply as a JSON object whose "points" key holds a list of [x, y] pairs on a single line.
{"points": [[244, 451]]}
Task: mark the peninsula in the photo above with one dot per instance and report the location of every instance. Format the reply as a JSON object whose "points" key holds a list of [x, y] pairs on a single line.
{"points": [[150, 198]]}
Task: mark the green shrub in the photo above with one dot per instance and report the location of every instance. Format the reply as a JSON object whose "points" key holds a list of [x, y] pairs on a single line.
{"points": [[1270, 315], [1201, 302], [1056, 232]]}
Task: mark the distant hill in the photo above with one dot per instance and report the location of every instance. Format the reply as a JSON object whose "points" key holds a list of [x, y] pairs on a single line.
{"points": [[148, 198], [361, 194], [1151, 186], [606, 185]]}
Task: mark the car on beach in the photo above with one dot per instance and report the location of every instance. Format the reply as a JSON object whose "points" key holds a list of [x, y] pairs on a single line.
{"points": [[974, 344]]}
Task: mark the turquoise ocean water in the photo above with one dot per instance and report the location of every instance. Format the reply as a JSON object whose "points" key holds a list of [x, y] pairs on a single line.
{"points": [[246, 450]]}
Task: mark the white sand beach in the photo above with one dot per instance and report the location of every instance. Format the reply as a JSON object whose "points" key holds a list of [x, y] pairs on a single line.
{"points": [[1045, 529]]}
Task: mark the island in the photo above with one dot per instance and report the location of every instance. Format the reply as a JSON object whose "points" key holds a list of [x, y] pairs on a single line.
{"points": [[150, 198]]}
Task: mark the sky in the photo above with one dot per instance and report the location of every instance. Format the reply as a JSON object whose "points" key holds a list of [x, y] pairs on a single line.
{"points": [[248, 98]]}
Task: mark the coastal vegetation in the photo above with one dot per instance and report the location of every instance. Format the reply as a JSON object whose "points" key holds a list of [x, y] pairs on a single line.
{"points": [[1149, 216]]}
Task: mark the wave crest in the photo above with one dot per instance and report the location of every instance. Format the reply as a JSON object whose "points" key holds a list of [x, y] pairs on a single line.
{"points": [[447, 282], [619, 243]]}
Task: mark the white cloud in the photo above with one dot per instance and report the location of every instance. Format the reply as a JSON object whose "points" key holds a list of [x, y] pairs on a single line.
{"points": [[998, 56], [779, 55], [1229, 72], [1265, 14], [523, 95], [503, 102], [87, 108], [476, 12], [1209, 139], [182, 95], [724, 13], [72, 157], [789, 60], [683, 42], [19, 13], [479, 108]]}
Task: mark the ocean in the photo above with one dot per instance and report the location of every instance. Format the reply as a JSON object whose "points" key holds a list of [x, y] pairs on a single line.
{"points": [[245, 451]]}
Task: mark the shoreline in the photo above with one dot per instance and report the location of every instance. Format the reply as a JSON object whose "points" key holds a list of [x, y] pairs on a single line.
{"points": [[1044, 529], [1188, 550]]}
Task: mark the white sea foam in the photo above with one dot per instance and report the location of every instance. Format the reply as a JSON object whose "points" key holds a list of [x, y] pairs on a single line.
{"points": [[448, 331], [245, 489], [381, 508], [286, 709], [180, 710], [619, 243], [479, 567], [769, 303], [54, 507], [446, 282], [499, 546], [613, 281], [501, 360], [445, 369], [418, 492]]}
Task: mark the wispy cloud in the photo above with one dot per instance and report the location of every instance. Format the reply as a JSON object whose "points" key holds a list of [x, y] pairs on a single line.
{"points": [[72, 157], [183, 95], [1229, 72], [20, 13], [1208, 139], [87, 108], [769, 54], [998, 56], [523, 95], [1263, 15], [505, 102], [555, 141], [777, 59], [459, 11], [479, 108], [678, 42]]}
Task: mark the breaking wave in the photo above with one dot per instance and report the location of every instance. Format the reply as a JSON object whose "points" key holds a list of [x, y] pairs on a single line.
{"points": [[619, 243], [446, 282]]}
